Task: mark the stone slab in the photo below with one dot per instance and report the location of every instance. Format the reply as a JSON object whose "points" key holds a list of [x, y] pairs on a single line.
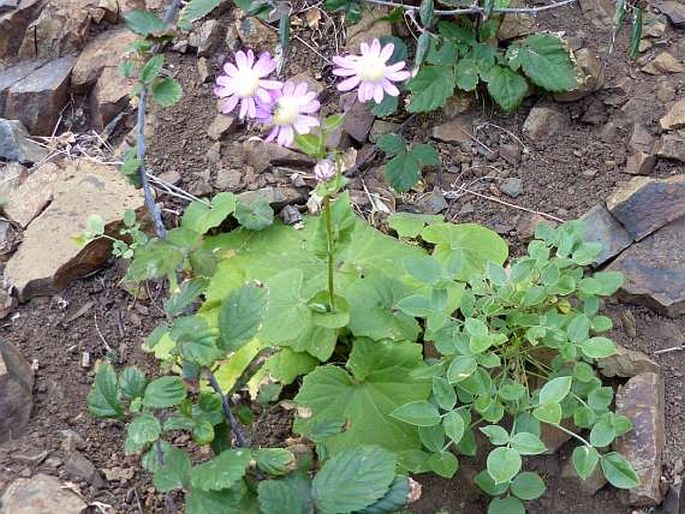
{"points": [[15, 144], [14, 74], [603, 228], [16, 386], [41, 494]]}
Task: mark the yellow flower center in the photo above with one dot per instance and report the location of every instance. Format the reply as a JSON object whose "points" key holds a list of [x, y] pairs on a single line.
{"points": [[287, 109], [246, 82], [371, 68]]}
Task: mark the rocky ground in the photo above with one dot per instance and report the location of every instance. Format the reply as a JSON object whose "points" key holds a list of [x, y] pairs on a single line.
{"points": [[612, 151]]}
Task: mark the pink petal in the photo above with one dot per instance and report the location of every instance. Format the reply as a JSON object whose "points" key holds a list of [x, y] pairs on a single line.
{"points": [[311, 107], [243, 108], [398, 76], [301, 89], [265, 65], [348, 84], [288, 89], [272, 135], [230, 69], [223, 80], [344, 72], [378, 93], [286, 136], [250, 58], [365, 92], [387, 51], [375, 47], [304, 124], [390, 88], [241, 59], [345, 62], [270, 84], [251, 108], [364, 48], [395, 67], [263, 95], [229, 104]]}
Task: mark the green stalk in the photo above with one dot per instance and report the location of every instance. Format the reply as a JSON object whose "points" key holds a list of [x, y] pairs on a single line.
{"points": [[330, 251]]}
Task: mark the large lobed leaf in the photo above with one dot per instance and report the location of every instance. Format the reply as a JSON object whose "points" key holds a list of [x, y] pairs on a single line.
{"points": [[546, 62]]}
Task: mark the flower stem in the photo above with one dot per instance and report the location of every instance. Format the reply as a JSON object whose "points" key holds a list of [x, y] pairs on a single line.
{"points": [[330, 250]]}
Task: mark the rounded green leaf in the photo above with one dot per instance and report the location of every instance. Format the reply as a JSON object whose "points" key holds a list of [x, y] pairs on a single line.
{"points": [[164, 392], [583, 372], [454, 426], [203, 432], [528, 486], [444, 464], [275, 461], [488, 485], [290, 495], [461, 368], [584, 459], [353, 479], [433, 438], [418, 413], [548, 413], [221, 472], [241, 315], [167, 91], [141, 431], [602, 434], [555, 390], [497, 435], [618, 471], [104, 398], [444, 393], [528, 444], [598, 347], [503, 464], [508, 505]]}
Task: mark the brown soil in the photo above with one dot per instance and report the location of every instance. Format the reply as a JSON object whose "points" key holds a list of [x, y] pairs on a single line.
{"points": [[563, 176]]}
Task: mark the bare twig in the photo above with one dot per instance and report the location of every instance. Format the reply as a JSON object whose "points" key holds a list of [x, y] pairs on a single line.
{"points": [[240, 439], [476, 9], [452, 194], [670, 349], [140, 140]]}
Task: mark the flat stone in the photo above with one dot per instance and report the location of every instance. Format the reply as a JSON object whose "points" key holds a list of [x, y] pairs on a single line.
{"points": [[34, 195], [592, 78], [16, 392], [591, 485], [252, 32], [357, 120], [458, 131], [626, 363], [526, 226], [206, 37], [599, 12], [261, 155], [61, 28], [173, 177], [515, 25], [13, 26], [312, 84], [603, 228], [105, 50], [543, 122], [14, 74], [278, 198], [12, 175], [80, 468], [15, 144], [511, 186], [653, 25], [640, 163], [41, 494], [663, 64], [674, 11], [84, 188], [38, 99], [109, 97], [654, 270], [432, 203], [675, 117], [665, 92], [373, 24], [228, 179], [672, 146], [202, 70], [644, 205], [641, 140], [553, 437], [221, 125], [6, 5], [381, 128], [642, 400]]}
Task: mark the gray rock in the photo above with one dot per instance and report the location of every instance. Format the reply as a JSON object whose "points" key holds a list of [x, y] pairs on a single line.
{"points": [[80, 468], [223, 124], [626, 363], [642, 400], [457, 130], [290, 215], [672, 146], [16, 392], [603, 228], [644, 205], [38, 99], [12, 175], [206, 38], [654, 270], [105, 50], [15, 144], [675, 117], [278, 198], [357, 121], [592, 80], [261, 155], [641, 140], [675, 11], [663, 64], [512, 187], [14, 74], [640, 163], [109, 96], [543, 123], [432, 202], [7, 5], [84, 188], [381, 128], [40, 494], [13, 26]]}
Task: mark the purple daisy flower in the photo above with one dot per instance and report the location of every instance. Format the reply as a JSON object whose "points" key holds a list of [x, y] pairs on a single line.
{"points": [[288, 112], [324, 170], [245, 82], [371, 72]]}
